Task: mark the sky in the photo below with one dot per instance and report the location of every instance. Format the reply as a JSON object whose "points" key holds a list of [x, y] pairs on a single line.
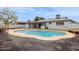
{"points": [[29, 13]]}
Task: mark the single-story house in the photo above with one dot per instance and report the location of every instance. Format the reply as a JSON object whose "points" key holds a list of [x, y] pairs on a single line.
{"points": [[54, 23]]}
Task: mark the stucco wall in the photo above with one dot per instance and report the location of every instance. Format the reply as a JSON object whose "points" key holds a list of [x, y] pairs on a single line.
{"points": [[67, 25], [18, 26], [74, 26], [1, 25]]}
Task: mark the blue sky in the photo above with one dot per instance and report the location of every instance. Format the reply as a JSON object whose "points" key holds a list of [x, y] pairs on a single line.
{"points": [[29, 13]]}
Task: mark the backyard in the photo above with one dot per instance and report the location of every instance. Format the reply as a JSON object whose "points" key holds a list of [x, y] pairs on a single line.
{"points": [[52, 38], [14, 43]]}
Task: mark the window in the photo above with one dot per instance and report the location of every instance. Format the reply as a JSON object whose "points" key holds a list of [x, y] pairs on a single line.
{"points": [[59, 23], [50, 22]]}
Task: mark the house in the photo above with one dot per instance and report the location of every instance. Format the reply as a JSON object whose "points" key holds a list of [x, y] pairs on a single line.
{"points": [[58, 22]]}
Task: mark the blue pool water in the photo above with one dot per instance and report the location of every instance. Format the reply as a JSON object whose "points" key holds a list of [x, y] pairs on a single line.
{"points": [[41, 33]]}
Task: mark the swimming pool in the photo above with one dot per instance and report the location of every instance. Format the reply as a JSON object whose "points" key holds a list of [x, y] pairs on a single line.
{"points": [[41, 33]]}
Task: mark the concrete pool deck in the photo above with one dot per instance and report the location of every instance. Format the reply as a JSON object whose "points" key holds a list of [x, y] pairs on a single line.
{"points": [[67, 35]]}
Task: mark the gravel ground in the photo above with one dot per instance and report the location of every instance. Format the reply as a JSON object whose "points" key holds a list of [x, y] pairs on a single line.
{"points": [[6, 44], [13, 43], [29, 44]]}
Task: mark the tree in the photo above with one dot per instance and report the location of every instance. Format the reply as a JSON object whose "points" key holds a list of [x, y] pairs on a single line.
{"points": [[8, 16], [38, 18]]}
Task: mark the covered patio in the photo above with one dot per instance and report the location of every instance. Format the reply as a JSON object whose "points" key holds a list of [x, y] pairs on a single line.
{"points": [[36, 24]]}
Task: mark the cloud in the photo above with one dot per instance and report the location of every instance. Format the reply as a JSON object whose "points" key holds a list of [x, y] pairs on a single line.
{"points": [[22, 9], [48, 12]]}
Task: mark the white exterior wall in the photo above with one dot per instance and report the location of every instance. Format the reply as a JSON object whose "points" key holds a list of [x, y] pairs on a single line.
{"points": [[27, 25], [67, 25], [1, 25], [74, 26], [19, 26], [42, 27]]}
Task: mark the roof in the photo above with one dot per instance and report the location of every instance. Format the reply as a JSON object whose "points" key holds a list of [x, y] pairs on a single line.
{"points": [[56, 19], [30, 22], [44, 21]]}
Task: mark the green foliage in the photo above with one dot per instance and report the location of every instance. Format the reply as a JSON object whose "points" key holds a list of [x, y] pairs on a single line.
{"points": [[38, 18]]}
